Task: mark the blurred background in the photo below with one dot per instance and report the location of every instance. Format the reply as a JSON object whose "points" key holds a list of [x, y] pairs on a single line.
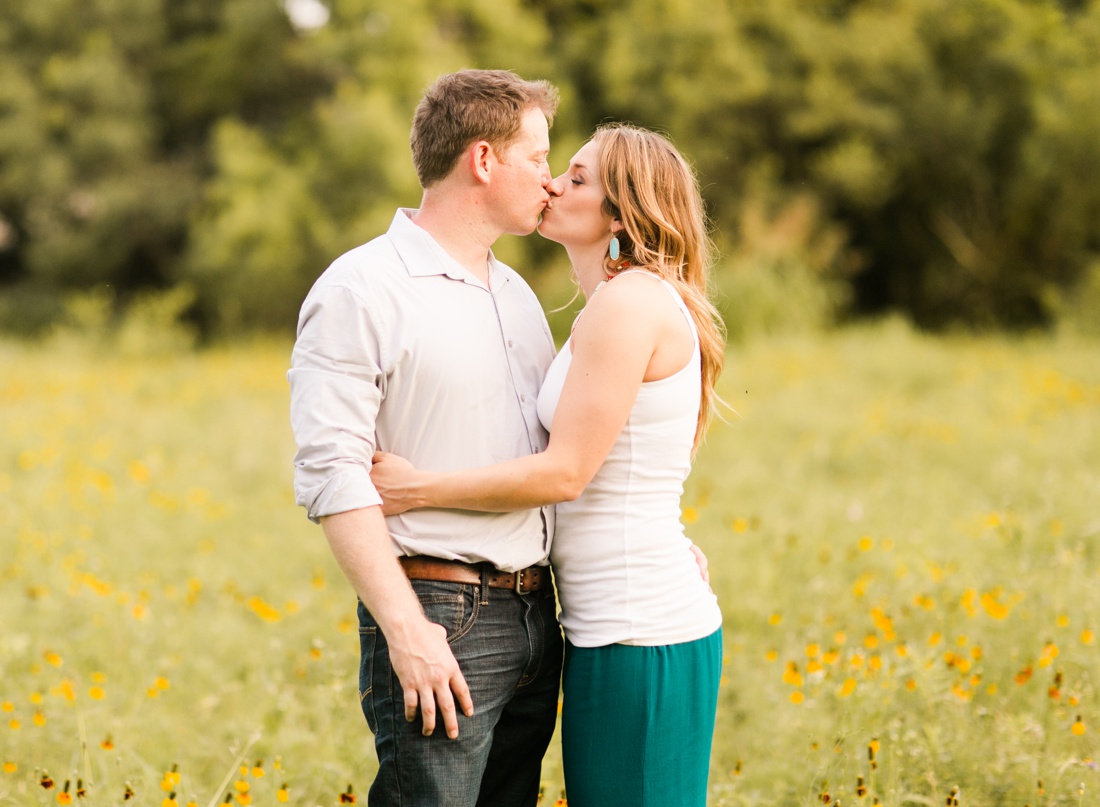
{"points": [[195, 164]]}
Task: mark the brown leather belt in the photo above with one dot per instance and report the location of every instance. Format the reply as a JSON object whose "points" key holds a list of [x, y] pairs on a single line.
{"points": [[422, 567]]}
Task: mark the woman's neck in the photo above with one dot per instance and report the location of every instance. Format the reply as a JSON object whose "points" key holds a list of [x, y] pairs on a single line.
{"points": [[589, 269]]}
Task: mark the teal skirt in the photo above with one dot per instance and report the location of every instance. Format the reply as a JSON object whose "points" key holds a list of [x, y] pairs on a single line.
{"points": [[638, 722]]}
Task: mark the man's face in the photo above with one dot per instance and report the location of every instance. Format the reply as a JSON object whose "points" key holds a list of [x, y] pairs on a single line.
{"points": [[521, 177]]}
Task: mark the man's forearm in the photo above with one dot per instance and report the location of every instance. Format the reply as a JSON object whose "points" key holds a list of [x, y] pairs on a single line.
{"points": [[361, 545]]}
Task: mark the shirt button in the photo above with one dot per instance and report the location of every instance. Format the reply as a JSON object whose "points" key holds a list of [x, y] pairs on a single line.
{"points": [[509, 343], [523, 398]]}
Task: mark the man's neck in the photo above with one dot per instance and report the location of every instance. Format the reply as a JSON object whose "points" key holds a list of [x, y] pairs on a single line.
{"points": [[448, 220]]}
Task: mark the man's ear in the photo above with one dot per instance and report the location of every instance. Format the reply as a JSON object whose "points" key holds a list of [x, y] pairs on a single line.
{"points": [[482, 157]]}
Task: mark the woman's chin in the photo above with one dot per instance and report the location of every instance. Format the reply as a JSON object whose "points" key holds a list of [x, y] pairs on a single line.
{"points": [[546, 232]]}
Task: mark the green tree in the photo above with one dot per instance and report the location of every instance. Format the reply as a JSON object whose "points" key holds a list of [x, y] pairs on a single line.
{"points": [[279, 208]]}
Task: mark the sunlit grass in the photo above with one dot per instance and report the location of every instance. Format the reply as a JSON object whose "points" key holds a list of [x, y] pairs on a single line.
{"points": [[902, 532]]}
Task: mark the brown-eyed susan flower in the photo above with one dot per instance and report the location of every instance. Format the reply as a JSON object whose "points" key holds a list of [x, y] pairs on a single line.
{"points": [[128, 793], [791, 675], [991, 602], [861, 788], [258, 769], [65, 689], [797, 697], [1048, 654], [1078, 726], [107, 744], [283, 793], [1087, 636], [64, 797], [1023, 676], [242, 786], [848, 687], [81, 791], [10, 767], [348, 796], [39, 718], [170, 800], [52, 658], [46, 781], [263, 610]]}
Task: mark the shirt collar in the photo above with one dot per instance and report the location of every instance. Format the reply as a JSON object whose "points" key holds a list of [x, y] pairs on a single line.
{"points": [[424, 257]]}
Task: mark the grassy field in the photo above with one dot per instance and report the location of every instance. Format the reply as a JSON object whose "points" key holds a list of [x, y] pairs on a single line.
{"points": [[902, 531]]}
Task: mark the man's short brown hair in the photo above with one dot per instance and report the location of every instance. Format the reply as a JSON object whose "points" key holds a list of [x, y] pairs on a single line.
{"points": [[470, 105]]}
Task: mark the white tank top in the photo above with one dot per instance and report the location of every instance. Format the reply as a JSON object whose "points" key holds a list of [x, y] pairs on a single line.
{"points": [[623, 566]]}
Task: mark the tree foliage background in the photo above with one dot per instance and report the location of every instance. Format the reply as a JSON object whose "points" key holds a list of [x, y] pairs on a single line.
{"points": [[939, 158]]}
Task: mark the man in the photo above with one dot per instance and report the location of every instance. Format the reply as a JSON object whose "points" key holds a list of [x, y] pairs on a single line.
{"points": [[422, 343]]}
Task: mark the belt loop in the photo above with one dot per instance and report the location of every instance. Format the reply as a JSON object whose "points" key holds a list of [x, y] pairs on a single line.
{"points": [[484, 583]]}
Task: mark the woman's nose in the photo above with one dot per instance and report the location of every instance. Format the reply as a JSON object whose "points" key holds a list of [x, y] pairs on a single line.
{"points": [[556, 185]]}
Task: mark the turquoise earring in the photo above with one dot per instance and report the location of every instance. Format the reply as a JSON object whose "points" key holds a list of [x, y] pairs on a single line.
{"points": [[613, 249]]}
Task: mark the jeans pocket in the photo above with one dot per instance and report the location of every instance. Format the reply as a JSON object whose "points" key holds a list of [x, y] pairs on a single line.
{"points": [[453, 605], [368, 637]]}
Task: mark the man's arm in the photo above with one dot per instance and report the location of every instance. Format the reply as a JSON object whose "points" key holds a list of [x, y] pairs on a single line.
{"points": [[335, 385], [419, 652]]}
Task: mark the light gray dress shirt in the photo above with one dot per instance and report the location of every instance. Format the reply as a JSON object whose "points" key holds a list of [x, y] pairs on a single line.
{"points": [[401, 348]]}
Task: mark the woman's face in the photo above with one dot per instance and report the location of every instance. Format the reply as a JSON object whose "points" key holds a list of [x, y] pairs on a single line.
{"points": [[575, 217]]}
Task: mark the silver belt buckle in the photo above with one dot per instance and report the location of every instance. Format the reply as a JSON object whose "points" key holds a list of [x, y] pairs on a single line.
{"points": [[519, 581]]}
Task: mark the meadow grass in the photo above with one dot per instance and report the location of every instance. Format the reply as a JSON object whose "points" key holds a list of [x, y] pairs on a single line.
{"points": [[902, 533]]}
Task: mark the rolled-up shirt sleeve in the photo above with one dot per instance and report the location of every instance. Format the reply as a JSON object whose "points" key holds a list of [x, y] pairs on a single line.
{"points": [[337, 383]]}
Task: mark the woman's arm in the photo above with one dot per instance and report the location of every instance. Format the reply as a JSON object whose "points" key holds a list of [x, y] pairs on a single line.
{"points": [[613, 345]]}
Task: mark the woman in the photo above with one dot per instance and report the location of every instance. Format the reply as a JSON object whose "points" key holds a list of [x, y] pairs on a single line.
{"points": [[626, 402]]}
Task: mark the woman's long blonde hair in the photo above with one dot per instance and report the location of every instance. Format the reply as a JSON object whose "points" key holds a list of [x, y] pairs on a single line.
{"points": [[652, 190]]}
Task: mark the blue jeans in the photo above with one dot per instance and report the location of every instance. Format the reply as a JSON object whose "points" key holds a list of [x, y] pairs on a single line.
{"points": [[509, 647]]}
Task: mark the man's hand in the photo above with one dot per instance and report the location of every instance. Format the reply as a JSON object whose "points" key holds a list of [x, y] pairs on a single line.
{"points": [[429, 676], [704, 564]]}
